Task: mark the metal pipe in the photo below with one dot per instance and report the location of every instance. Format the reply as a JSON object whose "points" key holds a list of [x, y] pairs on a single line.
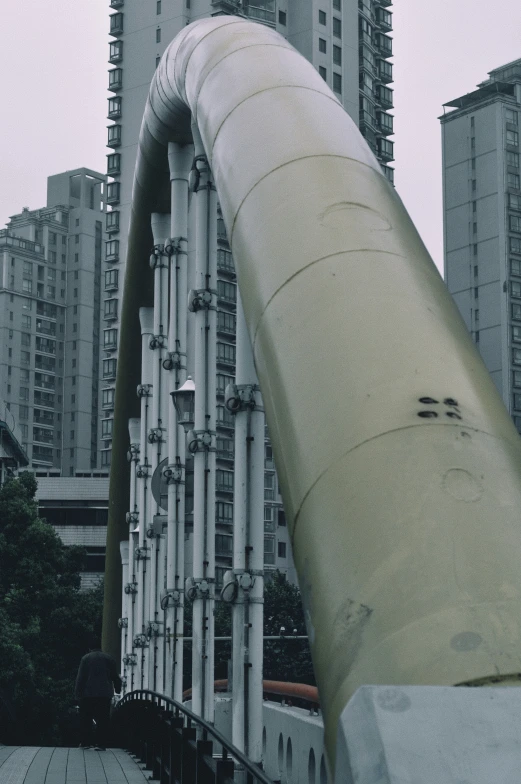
{"points": [[146, 317], [240, 522], [180, 161], [134, 429], [124, 550], [397, 460]]}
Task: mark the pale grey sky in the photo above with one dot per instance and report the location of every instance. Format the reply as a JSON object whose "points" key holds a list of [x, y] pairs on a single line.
{"points": [[53, 78]]}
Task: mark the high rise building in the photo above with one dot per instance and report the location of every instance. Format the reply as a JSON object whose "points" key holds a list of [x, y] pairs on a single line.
{"points": [[482, 217], [348, 42], [50, 300]]}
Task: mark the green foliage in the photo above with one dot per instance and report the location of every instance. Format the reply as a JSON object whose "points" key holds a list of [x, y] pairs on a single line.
{"points": [[45, 620]]}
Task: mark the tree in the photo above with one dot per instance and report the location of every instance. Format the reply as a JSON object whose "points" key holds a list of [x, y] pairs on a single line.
{"points": [[46, 622]]}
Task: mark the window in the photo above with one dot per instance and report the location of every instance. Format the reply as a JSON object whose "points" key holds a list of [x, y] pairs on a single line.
{"points": [[25, 357], [515, 288], [226, 291], [515, 244], [513, 159], [283, 18], [114, 136], [158, 35], [107, 398], [511, 116], [269, 550], [226, 322], [112, 249], [322, 45], [26, 321], [111, 279], [224, 511], [516, 334], [27, 304], [109, 368], [515, 266], [516, 356], [112, 221], [514, 201], [337, 27], [337, 55], [114, 109], [223, 545], [114, 163], [224, 479], [115, 79], [513, 180], [281, 549], [26, 339], [514, 222], [46, 345], [323, 72], [322, 19], [158, 60], [24, 393], [337, 83], [27, 268], [115, 51], [337, 5], [110, 338], [116, 24], [51, 292], [105, 457], [23, 412], [51, 274], [27, 285], [158, 7], [222, 382], [113, 189], [111, 309], [106, 428], [225, 353], [512, 138]]}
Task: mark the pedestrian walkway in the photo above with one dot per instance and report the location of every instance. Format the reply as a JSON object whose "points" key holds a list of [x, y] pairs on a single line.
{"points": [[50, 765]]}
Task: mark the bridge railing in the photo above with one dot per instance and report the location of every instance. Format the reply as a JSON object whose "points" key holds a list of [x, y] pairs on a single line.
{"points": [[178, 746]]}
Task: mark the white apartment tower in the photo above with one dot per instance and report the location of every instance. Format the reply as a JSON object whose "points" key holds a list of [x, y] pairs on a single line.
{"points": [[50, 317], [482, 217], [349, 44]]}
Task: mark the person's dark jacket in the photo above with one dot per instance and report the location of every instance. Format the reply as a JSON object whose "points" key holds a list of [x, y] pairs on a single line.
{"points": [[97, 676]]}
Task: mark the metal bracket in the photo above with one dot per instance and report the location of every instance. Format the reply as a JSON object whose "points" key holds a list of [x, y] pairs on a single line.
{"points": [[173, 246], [132, 517], [199, 440], [133, 452], [130, 659], [172, 597], [198, 299], [131, 588], [158, 341], [153, 629], [240, 397], [140, 641], [123, 623], [155, 435], [157, 256], [173, 361], [173, 473], [144, 390], [142, 471], [141, 553], [198, 587]]}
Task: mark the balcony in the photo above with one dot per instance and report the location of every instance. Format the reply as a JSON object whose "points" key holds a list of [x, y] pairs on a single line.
{"points": [[227, 6], [113, 191], [385, 71], [385, 123], [114, 110], [112, 250], [365, 8], [114, 136], [115, 79], [384, 20], [264, 15], [116, 24], [385, 150], [385, 3], [116, 3], [115, 51], [113, 164], [384, 44], [385, 96], [389, 172], [112, 222]]}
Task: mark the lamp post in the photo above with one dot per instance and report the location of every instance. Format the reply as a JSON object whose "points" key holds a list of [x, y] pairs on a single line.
{"points": [[184, 404]]}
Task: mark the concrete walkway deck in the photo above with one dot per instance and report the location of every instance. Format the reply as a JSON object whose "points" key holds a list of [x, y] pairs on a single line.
{"points": [[49, 765]]}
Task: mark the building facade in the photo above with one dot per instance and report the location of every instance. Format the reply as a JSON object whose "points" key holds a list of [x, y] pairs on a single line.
{"points": [[482, 222], [348, 42], [50, 320]]}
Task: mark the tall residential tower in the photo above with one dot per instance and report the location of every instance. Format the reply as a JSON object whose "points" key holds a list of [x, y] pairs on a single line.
{"points": [[482, 211]]}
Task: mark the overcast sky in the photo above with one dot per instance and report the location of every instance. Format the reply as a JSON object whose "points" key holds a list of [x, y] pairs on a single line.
{"points": [[53, 79]]}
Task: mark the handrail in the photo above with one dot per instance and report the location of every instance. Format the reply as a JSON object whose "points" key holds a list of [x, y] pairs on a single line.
{"points": [[234, 752]]}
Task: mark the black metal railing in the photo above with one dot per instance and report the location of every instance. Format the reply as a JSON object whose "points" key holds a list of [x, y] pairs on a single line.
{"points": [[176, 745]]}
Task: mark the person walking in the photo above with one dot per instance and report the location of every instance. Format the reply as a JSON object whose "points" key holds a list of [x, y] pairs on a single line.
{"points": [[96, 682]]}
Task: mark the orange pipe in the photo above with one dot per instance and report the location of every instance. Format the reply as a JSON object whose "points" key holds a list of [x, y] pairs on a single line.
{"points": [[301, 691]]}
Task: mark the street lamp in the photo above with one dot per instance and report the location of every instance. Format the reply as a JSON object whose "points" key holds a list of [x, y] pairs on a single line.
{"points": [[184, 403]]}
